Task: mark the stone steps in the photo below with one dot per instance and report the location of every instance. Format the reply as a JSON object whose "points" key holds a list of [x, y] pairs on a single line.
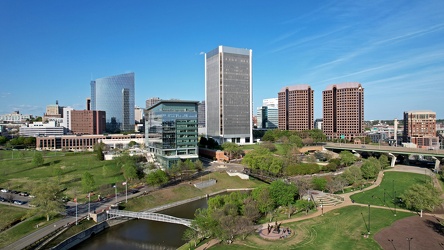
{"points": [[326, 199]]}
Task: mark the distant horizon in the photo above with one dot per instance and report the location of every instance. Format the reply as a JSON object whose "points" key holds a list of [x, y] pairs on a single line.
{"points": [[52, 50]]}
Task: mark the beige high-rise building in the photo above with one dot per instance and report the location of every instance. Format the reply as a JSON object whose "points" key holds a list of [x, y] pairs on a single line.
{"points": [[343, 111], [295, 108], [420, 128]]}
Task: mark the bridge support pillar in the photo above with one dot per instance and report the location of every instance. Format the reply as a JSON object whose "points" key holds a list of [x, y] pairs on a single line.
{"points": [[393, 161], [437, 162]]}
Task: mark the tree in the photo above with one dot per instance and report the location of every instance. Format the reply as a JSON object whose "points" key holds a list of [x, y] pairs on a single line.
{"points": [[353, 175], [98, 149], [38, 160], [268, 145], [250, 209], [132, 144], [88, 182], [422, 197], [370, 168], [232, 149], [130, 171], [319, 183], [48, 200], [198, 165], [263, 198], [347, 158], [157, 177], [303, 184], [283, 193], [384, 161], [3, 140], [191, 235]]}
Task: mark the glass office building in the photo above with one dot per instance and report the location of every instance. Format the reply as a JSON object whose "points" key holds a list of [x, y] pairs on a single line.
{"points": [[228, 95], [171, 131], [115, 96]]}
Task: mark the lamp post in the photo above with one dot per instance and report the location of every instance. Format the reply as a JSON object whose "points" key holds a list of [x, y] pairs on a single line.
{"points": [[384, 197], [409, 239], [89, 204], [75, 199], [368, 218], [115, 188], [322, 209], [126, 191], [394, 202]]}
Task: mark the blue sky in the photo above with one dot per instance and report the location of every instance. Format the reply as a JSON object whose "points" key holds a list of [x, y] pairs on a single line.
{"points": [[50, 50]]}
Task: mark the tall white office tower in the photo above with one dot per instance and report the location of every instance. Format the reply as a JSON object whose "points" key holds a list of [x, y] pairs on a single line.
{"points": [[228, 95]]}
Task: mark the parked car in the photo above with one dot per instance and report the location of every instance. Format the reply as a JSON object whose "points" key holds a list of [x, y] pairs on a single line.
{"points": [[4, 190], [19, 202]]}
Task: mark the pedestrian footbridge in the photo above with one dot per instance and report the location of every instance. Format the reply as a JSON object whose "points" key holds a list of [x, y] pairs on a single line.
{"points": [[149, 216]]}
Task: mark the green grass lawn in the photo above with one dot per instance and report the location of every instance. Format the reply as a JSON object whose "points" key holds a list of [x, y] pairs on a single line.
{"points": [[65, 168], [186, 191], [393, 185], [73, 230], [30, 225], [339, 229], [9, 215]]}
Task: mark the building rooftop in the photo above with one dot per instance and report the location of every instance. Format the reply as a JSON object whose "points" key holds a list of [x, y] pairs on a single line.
{"points": [[421, 112], [296, 87], [346, 85]]}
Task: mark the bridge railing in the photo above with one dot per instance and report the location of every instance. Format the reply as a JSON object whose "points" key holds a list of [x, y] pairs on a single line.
{"points": [[151, 216]]}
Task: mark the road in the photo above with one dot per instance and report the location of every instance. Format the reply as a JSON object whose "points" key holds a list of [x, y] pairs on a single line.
{"points": [[70, 218]]}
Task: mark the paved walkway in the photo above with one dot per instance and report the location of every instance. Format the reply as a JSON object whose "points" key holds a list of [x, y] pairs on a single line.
{"points": [[347, 200]]}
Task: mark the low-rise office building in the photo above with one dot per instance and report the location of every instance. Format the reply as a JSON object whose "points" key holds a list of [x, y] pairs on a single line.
{"points": [[41, 129], [84, 142], [171, 131]]}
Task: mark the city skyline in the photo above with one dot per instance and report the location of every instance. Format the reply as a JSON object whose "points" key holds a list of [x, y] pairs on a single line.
{"points": [[52, 51]]}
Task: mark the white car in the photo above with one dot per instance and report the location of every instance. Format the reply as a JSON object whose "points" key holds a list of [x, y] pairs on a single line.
{"points": [[4, 190]]}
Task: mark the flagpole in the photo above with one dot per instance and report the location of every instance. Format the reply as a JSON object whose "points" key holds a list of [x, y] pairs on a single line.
{"points": [[76, 210], [89, 204]]}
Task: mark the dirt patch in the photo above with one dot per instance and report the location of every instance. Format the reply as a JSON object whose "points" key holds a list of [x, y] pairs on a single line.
{"points": [[422, 233]]}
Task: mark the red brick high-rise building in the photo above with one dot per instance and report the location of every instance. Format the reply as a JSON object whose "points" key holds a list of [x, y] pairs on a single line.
{"points": [[295, 108], [88, 122], [420, 129], [343, 111]]}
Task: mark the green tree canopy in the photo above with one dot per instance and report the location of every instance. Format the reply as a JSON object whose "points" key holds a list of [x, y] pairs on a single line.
{"points": [[37, 159], [88, 182], [282, 193], [421, 197], [347, 158], [370, 168], [48, 200], [157, 177]]}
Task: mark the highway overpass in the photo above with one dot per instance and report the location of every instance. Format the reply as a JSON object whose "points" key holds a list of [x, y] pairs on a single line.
{"points": [[389, 150]]}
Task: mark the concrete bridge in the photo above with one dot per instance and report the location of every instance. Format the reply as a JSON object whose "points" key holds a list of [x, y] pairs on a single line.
{"points": [[393, 152], [149, 216]]}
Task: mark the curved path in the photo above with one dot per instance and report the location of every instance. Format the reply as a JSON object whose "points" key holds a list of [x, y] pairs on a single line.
{"points": [[347, 201]]}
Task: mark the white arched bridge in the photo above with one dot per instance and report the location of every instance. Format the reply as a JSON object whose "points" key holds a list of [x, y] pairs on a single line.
{"points": [[150, 216]]}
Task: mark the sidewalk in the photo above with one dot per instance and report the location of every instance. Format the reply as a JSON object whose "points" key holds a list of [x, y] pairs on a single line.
{"points": [[347, 202], [49, 229]]}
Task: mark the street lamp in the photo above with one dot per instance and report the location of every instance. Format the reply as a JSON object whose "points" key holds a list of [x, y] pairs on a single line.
{"points": [[368, 218], [115, 188], [322, 208], [89, 204], [409, 239], [384, 197], [394, 202]]}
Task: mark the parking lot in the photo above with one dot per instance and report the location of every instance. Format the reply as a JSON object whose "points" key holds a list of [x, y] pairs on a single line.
{"points": [[14, 197]]}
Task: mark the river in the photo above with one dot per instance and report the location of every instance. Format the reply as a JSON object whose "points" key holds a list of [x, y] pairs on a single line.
{"points": [[145, 234]]}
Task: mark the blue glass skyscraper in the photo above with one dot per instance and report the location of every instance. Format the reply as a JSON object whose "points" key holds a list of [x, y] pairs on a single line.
{"points": [[115, 96]]}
